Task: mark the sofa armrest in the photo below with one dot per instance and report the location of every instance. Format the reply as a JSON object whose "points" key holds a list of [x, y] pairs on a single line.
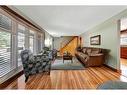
{"points": [[95, 60]]}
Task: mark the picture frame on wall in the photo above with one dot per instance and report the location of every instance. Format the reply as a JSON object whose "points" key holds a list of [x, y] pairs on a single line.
{"points": [[95, 40]]}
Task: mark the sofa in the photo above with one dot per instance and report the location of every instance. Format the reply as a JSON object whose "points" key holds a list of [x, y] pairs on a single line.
{"points": [[91, 56]]}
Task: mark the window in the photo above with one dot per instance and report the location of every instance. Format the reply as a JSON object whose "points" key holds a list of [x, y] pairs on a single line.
{"points": [[31, 41], [39, 45], [123, 24], [21, 42], [42, 41], [123, 36], [5, 45], [39, 42], [123, 39], [12, 43], [5, 52]]}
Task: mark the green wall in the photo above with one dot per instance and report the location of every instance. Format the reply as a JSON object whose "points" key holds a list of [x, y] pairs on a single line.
{"points": [[110, 38]]}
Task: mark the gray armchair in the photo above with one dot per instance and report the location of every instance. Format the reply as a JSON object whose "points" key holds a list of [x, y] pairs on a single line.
{"points": [[47, 53], [33, 64]]}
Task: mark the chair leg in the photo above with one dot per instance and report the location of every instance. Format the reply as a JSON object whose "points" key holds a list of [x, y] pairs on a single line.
{"points": [[48, 72], [49, 68], [26, 79]]}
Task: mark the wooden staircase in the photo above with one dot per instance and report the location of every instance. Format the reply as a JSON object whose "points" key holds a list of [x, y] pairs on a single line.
{"points": [[70, 46]]}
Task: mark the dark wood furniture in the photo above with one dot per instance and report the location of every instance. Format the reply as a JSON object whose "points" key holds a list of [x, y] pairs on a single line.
{"points": [[67, 57], [123, 52]]}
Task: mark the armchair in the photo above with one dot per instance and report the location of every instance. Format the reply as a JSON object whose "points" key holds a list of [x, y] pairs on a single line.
{"points": [[33, 64], [47, 53]]}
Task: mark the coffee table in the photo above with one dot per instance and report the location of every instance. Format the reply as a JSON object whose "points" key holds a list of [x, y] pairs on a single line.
{"points": [[68, 57]]}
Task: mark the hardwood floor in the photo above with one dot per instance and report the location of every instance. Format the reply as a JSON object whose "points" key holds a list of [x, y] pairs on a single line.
{"points": [[123, 66], [89, 78], [123, 61]]}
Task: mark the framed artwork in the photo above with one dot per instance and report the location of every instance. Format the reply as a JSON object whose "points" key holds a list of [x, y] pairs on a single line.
{"points": [[95, 40]]}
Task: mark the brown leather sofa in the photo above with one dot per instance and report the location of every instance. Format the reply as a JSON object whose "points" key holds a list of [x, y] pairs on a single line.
{"points": [[91, 56]]}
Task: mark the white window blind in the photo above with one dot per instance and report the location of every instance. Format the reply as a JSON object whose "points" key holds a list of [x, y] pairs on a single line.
{"points": [[5, 45], [31, 41], [21, 42], [24, 38], [5, 53], [39, 42]]}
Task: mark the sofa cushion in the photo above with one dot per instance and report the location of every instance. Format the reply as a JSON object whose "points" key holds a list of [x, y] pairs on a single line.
{"points": [[88, 51], [84, 50], [82, 55]]}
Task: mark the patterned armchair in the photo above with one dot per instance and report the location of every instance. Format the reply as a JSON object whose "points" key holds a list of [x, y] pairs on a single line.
{"points": [[34, 64], [47, 53]]}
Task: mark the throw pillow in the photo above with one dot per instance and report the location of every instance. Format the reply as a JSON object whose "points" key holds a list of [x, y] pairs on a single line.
{"points": [[84, 50]]}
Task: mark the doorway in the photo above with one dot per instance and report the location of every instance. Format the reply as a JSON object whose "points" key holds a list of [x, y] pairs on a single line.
{"points": [[123, 46]]}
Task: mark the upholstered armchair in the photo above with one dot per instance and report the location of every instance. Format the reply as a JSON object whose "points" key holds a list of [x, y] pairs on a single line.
{"points": [[33, 64], [47, 53], [54, 53]]}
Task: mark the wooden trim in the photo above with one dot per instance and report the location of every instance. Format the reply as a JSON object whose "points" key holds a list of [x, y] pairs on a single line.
{"points": [[80, 43], [17, 16], [7, 82], [116, 70]]}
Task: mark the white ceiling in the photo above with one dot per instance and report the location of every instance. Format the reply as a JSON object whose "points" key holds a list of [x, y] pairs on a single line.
{"points": [[69, 20]]}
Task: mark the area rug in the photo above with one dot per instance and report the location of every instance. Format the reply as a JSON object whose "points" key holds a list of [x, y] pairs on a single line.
{"points": [[116, 84], [67, 65]]}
